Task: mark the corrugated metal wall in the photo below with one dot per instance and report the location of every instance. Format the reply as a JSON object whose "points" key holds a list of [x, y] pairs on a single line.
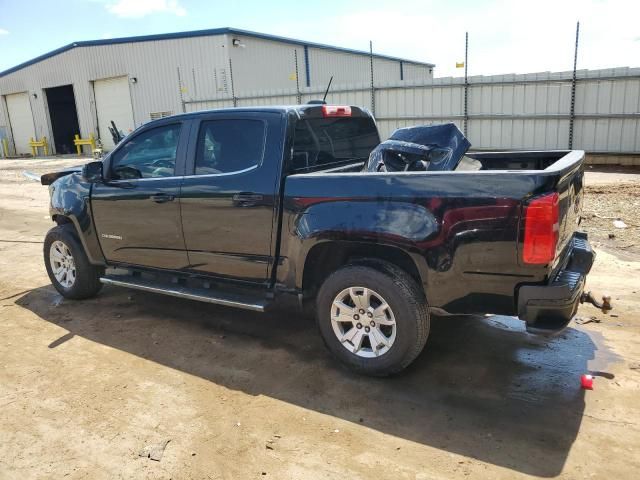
{"points": [[348, 69], [171, 72], [260, 64], [153, 64], [529, 111]]}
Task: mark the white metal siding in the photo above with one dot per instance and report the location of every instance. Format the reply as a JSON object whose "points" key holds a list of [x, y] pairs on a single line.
{"points": [[21, 121], [155, 64], [345, 68], [348, 68], [113, 103], [603, 97], [264, 64], [511, 112], [505, 111], [416, 72], [176, 74], [261, 64]]}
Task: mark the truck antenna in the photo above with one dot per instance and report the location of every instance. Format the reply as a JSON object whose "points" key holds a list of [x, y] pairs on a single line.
{"points": [[327, 90]]}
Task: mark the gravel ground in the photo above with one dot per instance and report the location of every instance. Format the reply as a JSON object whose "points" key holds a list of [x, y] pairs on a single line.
{"points": [[609, 202]]}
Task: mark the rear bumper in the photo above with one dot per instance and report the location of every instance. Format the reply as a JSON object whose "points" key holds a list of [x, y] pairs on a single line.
{"points": [[549, 308]]}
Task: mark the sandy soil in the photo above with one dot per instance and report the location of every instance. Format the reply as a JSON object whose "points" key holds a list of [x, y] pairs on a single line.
{"points": [[85, 386]]}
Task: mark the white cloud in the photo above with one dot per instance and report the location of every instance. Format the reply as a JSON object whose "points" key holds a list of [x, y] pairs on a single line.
{"points": [[4, 32], [142, 8]]}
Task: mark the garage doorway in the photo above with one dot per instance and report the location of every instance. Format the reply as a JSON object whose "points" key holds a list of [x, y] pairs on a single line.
{"points": [[64, 117]]}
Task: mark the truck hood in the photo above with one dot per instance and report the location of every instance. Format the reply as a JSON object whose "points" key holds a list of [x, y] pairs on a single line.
{"points": [[49, 178], [421, 148]]}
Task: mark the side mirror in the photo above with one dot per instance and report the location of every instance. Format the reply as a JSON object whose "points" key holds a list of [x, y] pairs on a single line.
{"points": [[92, 172]]}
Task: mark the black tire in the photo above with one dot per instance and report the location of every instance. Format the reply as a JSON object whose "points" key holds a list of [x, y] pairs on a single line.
{"points": [[87, 277], [406, 300]]}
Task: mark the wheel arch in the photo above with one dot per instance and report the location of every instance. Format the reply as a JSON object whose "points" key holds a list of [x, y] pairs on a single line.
{"points": [[90, 244], [62, 219], [326, 257]]}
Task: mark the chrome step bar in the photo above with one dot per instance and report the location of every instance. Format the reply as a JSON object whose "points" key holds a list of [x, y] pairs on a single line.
{"points": [[229, 299]]}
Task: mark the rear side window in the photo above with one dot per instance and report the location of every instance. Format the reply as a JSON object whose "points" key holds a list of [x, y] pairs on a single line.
{"points": [[227, 146], [326, 142]]}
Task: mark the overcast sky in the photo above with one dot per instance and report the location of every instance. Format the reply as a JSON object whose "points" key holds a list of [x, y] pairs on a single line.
{"points": [[504, 36]]}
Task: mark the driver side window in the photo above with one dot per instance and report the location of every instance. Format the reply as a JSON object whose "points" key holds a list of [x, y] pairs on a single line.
{"points": [[151, 154]]}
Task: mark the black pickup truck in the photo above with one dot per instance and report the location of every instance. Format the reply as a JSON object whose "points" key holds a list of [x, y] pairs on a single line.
{"points": [[240, 206]]}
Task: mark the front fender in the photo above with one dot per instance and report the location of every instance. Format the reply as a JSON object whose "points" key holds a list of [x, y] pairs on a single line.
{"points": [[70, 198]]}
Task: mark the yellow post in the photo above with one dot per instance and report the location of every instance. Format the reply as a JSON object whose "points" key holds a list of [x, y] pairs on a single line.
{"points": [[79, 142], [5, 145], [35, 144]]}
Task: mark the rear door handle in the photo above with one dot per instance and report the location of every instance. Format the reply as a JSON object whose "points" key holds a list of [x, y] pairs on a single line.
{"points": [[246, 199], [162, 197]]}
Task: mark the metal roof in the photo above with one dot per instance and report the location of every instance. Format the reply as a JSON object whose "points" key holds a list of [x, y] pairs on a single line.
{"points": [[202, 33]]}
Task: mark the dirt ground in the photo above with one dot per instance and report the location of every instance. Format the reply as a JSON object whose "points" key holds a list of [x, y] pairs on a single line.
{"points": [[86, 386], [608, 202]]}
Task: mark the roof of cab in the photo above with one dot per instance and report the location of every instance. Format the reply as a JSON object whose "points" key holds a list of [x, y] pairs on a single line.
{"points": [[300, 109]]}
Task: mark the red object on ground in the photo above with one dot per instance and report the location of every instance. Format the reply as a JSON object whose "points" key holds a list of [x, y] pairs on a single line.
{"points": [[586, 381]]}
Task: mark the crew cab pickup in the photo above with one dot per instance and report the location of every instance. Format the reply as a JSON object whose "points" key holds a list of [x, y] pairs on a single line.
{"points": [[240, 206]]}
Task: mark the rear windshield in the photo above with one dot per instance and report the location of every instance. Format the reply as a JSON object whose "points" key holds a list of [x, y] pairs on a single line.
{"points": [[322, 143]]}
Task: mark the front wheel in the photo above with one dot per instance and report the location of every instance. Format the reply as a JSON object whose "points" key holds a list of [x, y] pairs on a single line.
{"points": [[68, 266], [373, 318]]}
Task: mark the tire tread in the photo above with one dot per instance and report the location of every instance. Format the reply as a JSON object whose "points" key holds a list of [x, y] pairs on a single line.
{"points": [[408, 290], [87, 282]]}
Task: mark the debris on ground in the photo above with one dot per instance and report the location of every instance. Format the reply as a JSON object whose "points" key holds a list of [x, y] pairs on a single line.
{"points": [[634, 366], [270, 443], [154, 452], [619, 224], [586, 382], [584, 321]]}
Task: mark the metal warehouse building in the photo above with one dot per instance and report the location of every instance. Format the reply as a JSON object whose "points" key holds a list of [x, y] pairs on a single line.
{"points": [[81, 87]]}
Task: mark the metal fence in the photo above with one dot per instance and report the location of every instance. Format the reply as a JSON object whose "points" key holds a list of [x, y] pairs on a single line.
{"points": [[528, 111]]}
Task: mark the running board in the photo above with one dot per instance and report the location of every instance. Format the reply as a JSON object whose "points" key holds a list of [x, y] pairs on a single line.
{"points": [[228, 299]]}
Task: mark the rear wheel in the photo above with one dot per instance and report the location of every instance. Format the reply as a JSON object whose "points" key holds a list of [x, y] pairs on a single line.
{"points": [[68, 266], [374, 318]]}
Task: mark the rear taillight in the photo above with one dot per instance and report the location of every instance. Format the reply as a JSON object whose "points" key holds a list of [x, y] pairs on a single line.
{"points": [[336, 111], [541, 227]]}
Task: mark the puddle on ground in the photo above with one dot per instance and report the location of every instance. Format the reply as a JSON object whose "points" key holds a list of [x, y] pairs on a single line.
{"points": [[550, 367]]}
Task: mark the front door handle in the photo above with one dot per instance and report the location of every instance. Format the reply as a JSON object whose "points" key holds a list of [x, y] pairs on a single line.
{"points": [[162, 197], [246, 199]]}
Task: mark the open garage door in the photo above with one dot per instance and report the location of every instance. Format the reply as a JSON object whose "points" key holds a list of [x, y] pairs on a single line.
{"points": [[113, 102], [64, 117], [20, 121]]}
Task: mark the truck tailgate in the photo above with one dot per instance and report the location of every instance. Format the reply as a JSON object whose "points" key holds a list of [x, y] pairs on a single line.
{"points": [[571, 193]]}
